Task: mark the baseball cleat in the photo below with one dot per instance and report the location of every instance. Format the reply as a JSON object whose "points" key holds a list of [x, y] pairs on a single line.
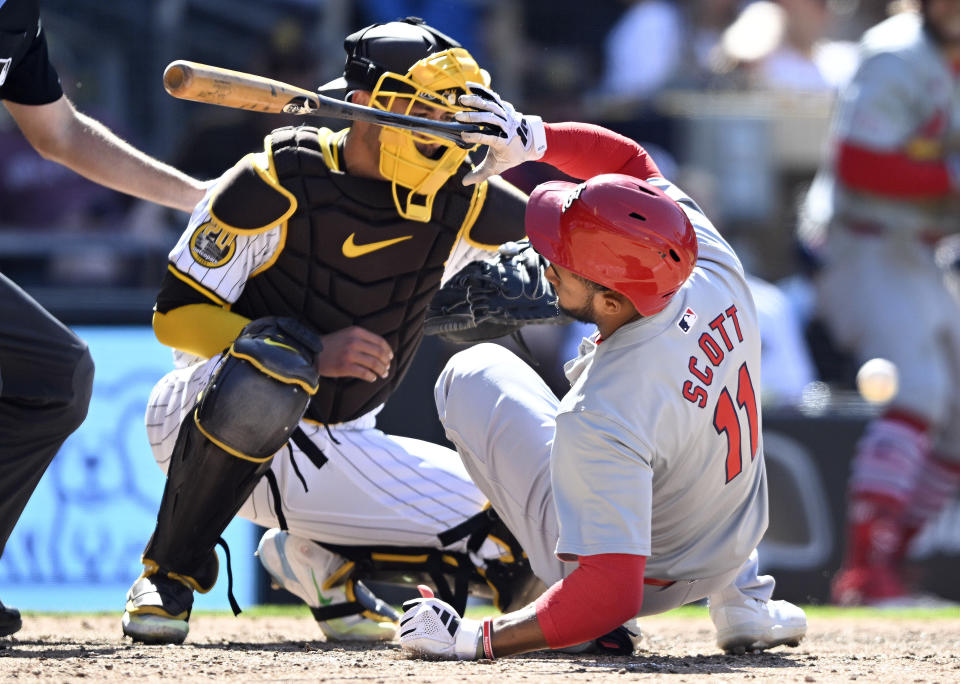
{"points": [[756, 625], [157, 611], [623, 640], [343, 607], [10, 621]]}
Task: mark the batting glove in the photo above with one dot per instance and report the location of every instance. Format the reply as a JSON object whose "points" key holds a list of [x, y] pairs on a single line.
{"points": [[430, 627], [520, 139]]}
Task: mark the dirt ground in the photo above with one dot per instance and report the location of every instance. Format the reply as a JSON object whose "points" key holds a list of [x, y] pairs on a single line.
{"points": [[289, 649]]}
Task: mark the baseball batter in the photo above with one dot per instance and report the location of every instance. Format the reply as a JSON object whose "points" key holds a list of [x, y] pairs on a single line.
{"points": [[876, 214], [298, 291], [46, 372], [648, 474]]}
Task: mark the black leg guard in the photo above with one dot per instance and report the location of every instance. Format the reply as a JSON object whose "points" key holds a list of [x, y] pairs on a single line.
{"points": [[247, 412], [206, 486]]}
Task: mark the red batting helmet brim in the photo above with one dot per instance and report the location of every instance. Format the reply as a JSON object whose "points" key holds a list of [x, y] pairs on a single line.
{"points": [[544, 211]]}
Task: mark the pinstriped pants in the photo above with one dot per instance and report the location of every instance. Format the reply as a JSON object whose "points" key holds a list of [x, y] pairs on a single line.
{"points": [[376, 489]]}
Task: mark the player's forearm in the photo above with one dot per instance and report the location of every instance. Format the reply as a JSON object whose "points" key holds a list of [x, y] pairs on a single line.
{"points": [[603, 592], [517, 632], [586, 150]]}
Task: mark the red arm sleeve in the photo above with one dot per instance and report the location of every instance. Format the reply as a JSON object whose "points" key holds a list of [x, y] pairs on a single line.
{"points": [[605, 591], [585, 150], [893, 174]]}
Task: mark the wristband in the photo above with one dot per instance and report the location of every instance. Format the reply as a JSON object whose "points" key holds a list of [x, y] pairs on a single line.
{"points": [[487, 638], [538, 135]]}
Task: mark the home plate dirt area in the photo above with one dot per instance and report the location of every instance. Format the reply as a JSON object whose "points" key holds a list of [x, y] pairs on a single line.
{"points": [[841, 646]]}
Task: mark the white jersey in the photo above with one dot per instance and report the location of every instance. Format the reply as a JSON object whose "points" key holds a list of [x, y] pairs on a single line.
{"points": [[903, 98], [658, 449]]}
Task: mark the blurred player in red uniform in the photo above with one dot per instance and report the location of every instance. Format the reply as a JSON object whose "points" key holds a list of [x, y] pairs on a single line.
{"points": [[875, 217]]}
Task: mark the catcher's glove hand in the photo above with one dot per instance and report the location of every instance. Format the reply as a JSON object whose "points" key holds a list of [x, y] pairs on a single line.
{"points": [[494, 297]]}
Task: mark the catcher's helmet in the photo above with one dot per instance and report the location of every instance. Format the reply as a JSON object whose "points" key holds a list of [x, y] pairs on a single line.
{"points": [[618, 231], [410, 62]]}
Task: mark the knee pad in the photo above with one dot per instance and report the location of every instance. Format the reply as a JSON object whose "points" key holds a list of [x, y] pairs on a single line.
{"points": [[260, 392]]}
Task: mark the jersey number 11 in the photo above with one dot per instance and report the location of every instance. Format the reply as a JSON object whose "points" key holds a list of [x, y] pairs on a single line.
{"points": [[727, 420]]}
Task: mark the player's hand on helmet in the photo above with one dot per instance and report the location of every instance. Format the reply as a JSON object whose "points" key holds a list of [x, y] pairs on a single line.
{"points": [[354, 352], [520, 138], [432, 628]]}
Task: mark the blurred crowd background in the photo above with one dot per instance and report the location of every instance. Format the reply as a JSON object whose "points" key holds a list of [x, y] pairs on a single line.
{"points": [[731, 97]]}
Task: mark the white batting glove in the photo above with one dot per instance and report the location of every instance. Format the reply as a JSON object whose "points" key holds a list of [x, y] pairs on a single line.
{"points": [[430, 627], [520, 139]]}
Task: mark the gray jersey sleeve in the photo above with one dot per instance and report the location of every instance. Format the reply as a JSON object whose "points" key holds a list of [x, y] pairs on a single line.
{"points": [[603, 487], [879, 108]]}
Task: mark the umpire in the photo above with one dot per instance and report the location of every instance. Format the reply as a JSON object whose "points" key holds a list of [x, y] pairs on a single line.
{"points": [[46, 373]]}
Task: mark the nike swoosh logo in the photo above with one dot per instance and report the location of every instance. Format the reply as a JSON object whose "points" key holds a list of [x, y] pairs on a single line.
{"points": [[352, 250], [273, 343], [324, 601]]}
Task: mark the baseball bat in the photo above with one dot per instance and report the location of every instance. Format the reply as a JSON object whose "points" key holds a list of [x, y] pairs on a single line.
{"points": [[228, 88]]}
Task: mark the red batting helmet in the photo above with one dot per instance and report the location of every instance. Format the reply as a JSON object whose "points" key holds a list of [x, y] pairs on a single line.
{"points": [[618, 231]]}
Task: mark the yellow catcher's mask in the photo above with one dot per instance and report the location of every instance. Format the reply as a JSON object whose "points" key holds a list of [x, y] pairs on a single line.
{"points": [[435, 81]]}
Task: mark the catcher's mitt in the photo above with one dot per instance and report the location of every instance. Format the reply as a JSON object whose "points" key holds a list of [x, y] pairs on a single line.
{"points": [[494, 297]]}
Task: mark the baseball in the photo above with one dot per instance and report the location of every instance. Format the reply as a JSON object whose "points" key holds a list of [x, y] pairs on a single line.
{"points": [[877, 381]]}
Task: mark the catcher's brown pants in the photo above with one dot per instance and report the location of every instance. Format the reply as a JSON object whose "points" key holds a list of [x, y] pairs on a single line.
{"points": [[46, 376]]}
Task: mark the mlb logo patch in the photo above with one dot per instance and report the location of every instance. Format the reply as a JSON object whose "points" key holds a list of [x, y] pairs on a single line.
{"points": [[4, 66], [687, 320]]}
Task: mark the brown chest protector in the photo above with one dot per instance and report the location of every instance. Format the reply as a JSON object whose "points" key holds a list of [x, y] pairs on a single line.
{"points": [[349, 259]]}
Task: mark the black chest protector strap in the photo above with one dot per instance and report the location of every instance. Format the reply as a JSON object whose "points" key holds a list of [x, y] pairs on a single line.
{"points": [[396, 564], [509, 581]]}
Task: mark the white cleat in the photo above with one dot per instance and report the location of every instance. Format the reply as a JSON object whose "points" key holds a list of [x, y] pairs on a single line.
{"points": [[756, 625], [344, 608]]}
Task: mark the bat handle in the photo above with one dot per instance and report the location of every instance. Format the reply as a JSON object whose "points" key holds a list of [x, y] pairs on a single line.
{"points": [[454, 134]]}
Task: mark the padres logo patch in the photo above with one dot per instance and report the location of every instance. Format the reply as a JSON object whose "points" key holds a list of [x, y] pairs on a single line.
{"points": [[211, 245]]}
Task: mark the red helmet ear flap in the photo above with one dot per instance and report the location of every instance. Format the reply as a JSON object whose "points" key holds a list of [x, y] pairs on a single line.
{"points": [[618, 231]]}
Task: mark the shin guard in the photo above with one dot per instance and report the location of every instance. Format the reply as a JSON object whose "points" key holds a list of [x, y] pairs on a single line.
{"points": [[248, 410]]}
